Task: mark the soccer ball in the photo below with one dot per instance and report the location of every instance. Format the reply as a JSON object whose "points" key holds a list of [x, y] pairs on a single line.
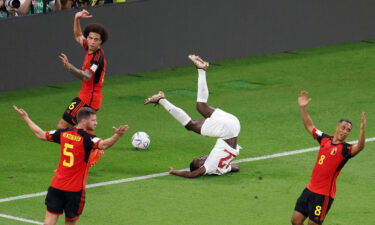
{"points": [[141, 140]]}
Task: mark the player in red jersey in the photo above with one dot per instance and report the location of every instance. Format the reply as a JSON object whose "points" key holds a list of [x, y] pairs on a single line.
{"points": [[67, 190], [92, 72], [334, 152]]}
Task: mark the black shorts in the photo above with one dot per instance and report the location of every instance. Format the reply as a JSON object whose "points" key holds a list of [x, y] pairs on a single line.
{"points": [[312, 205], [70, 114], [72, 203]]}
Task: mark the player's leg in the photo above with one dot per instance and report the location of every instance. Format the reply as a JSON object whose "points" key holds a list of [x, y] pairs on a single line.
{"points": [[75, 202], [202, 93], [50, 219], [301, 209], [312, 223], [71, 222], [298, 218], [69, 119], [55, 204], [63, 124], [319, 206], [180, 115]]}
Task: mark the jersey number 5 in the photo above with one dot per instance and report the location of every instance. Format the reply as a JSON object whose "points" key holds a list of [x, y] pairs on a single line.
{"points": [[70, 162], [225, 162]]}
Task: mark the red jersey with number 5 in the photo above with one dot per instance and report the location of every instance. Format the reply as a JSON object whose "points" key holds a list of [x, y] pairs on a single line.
{"points": [[331, 159], [75, 148], [96, 64]]}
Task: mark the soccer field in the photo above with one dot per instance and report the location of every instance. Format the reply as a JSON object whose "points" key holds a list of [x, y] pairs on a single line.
{"points": [[261, 91]]}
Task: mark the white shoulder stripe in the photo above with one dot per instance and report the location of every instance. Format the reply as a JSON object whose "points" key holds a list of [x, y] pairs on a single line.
{"points": [[318, 132], [95, 139], [52, 132]]}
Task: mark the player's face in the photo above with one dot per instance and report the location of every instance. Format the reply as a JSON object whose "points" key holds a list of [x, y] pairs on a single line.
{"points": [[94, 41], [91, 123], [343, 130]]}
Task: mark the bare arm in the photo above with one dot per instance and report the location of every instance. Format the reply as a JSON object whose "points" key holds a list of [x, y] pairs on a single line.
{"points": [[33, 127], [303, 101], [187, 174], [235, 168], [24, 8], [80, 74], [362, 137], [119, 132], [58, 6], [78, 36]]}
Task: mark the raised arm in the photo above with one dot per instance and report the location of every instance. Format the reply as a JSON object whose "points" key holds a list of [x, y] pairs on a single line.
{"points": [[33, 127], [80, 74], [78, 36], [362, 137], [187, 174], [119, 132], [303, 101]]}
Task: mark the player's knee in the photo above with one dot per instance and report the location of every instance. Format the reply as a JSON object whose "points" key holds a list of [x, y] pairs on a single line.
{"points": [[295, 221], [190, 125]]}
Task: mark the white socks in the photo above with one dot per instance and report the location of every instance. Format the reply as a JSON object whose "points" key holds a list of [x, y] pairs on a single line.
{"points": [[202, 86], [179, 114]]}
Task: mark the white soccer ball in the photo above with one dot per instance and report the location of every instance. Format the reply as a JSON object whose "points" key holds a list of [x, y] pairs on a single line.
{"points": [[141, 140]]}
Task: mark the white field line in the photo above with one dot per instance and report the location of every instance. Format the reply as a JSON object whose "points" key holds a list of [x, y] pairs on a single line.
{"points": [[165, 173], [20, 219]]}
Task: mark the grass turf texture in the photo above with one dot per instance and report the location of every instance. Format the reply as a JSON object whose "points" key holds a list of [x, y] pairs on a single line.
{"points": [[261, 91]]}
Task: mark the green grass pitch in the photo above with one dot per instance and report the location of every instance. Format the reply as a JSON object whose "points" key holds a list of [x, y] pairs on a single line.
{"points": [[261, 91]]}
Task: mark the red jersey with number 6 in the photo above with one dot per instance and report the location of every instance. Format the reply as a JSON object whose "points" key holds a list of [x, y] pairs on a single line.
{"points": [[96, 64], [331, 159], [76, 145]]}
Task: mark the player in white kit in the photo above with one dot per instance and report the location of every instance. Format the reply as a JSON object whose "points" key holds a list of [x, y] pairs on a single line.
{"points": [[217, 123]]}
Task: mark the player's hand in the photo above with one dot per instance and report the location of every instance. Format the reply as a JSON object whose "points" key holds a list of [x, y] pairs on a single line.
{"points": [[171, 170], [64, 59], [363, 121], [83, 14], [22, 112], [303, 98], [121, 130]]}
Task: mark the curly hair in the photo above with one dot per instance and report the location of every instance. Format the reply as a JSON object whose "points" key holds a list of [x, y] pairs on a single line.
{"points": [[96, 28]]}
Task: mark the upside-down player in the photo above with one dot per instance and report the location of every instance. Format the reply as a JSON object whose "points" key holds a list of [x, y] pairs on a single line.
{"points": [[217, 123], [334, 152], [67, 190]]}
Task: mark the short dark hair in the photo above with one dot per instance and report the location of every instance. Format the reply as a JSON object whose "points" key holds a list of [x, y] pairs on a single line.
{"points": [[96, 28], [85, 113], [346, 120], [193, 166]]}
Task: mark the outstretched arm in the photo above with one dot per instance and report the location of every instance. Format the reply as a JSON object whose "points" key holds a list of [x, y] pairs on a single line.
{"points": [[187, 174], [303, 101], [80, 74], [119, 132], [78, 36], [33, 127], [362, 137]]}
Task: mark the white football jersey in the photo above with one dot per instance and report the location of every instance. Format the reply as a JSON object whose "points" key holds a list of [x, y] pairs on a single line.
{"points": [[220, 158]]}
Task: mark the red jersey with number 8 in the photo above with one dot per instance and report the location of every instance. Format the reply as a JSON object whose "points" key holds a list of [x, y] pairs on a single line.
{"points": [[96, 64], [75, 148], [331, 159]]}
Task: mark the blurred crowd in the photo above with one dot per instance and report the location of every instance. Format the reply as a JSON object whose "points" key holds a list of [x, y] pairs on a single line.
{"points": [[9, 8]]}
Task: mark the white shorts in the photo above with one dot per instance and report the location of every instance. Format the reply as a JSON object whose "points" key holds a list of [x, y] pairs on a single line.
{"points": [[220, 158], [221, 124]]}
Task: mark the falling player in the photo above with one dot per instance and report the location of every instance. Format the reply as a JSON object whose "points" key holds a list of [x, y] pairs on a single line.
{"points": [[334, 152], [217, 123], [67, 190]]}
